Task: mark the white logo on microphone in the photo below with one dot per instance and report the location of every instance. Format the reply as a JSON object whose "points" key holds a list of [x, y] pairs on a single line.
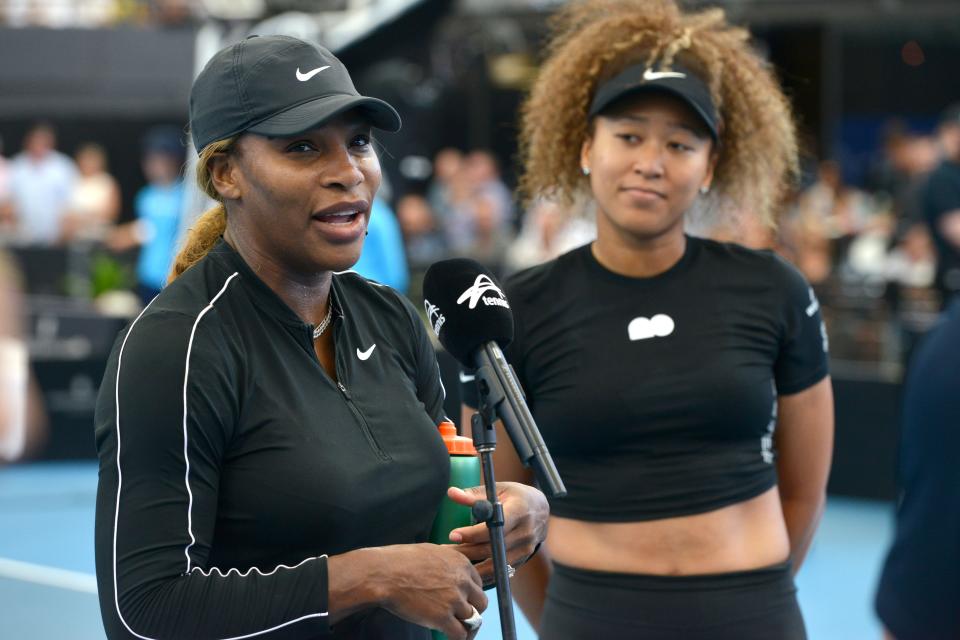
{"points": [[434, 316], [659, 326], [483, 284]]}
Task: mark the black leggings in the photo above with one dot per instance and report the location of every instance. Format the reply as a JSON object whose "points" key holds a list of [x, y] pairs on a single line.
{"points": [[746, 605]]}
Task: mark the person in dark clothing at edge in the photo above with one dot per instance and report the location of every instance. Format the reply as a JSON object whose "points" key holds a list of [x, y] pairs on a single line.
{"points": [[681, 384], [941, 206], [270, 464], [918, 596]]}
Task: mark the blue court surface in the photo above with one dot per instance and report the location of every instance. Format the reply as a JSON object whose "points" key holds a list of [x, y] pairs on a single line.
{"points": [[48, 591]]}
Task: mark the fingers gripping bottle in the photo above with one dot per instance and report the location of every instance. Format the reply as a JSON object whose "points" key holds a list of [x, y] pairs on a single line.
{"points": [[464, 473]]}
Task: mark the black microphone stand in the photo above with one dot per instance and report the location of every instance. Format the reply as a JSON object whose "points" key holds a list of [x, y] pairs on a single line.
{"points": [[491, 510]]}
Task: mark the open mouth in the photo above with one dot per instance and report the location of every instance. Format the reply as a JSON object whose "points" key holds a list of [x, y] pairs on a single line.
{"points": [[338, 218]]}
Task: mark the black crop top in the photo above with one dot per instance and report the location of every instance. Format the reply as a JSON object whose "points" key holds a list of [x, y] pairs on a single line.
{"points": [[230, 462], [657, 396]]}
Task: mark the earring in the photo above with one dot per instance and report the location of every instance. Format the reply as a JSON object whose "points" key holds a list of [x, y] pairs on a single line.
{"points": [[704, 190], [585, 170]]}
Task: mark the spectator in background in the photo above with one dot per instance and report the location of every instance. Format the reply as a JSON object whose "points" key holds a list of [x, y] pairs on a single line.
{"points": [[422, 236], [382, 258], [483, 173], [478, 222], [841, 210], [547, 232], [22, 418], [489, 235], [919, 588], [41, 181], [58, 14], [901, 171], [447, 166], [941, 205], [94, 203], [423, 239], [4, 181], [158, 207]]}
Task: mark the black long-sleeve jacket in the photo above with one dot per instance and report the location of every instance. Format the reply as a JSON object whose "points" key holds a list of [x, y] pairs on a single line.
{"points": [[231, 463]]}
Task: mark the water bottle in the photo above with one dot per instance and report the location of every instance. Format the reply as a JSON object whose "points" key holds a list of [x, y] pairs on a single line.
{"points": [[464, 473]]}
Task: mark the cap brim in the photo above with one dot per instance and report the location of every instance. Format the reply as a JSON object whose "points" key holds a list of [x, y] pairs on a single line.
{"points": [[654, 87], [309, 115]]}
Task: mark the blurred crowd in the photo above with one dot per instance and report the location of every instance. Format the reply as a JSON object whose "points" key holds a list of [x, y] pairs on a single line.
{"points": [[89, 14], [883, 256], [881, 238], [51, 200], [466, 209]]}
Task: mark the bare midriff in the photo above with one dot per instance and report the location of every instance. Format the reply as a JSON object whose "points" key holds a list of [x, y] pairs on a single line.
{"points": [[738, 537]]}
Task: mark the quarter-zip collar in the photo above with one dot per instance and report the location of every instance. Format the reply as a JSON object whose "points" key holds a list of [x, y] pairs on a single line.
{"points": [[266, 298]]}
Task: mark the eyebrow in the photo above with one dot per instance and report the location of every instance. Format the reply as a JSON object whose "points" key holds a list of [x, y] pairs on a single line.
{"points": [[697, 131]]}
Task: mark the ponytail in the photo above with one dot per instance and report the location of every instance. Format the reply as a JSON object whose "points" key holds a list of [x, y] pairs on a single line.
{"points": [[212, 223], [200, 239]]}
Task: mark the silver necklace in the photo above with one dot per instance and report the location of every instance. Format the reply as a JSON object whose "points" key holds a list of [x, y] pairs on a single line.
{"points": [[320, 328]]}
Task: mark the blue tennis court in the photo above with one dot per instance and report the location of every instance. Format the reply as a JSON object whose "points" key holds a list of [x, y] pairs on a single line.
{"points": [[48, 590]]}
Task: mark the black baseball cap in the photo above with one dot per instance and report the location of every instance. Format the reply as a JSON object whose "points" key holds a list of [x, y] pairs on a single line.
{"points": [[678, 80], [275, 86]]}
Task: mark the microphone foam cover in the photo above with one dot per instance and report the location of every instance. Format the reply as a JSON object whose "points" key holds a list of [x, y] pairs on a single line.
{"points": [[466, 307]]}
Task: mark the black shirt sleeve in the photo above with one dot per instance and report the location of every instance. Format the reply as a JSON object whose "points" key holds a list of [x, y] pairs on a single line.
{"points": [[802, 360], [164, 421]]}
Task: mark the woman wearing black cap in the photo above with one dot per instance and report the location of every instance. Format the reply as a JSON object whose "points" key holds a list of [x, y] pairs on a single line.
{"points": [[267, 429], [680, 383]]}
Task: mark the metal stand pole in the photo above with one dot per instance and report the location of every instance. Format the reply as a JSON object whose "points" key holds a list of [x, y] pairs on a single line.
{"points": [[491, 512]]}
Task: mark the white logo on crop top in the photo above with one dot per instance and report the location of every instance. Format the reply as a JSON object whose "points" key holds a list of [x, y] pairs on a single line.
{"points": [[812, 309], [814, 305], [434, 317], [483, 284], [659, 326]]}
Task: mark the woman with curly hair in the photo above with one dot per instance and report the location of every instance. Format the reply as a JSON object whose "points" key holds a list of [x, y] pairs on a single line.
{"points": [[681, 383]]}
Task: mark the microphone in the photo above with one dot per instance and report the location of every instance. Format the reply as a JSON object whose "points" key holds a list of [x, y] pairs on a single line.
{"points": [[471, 316]]}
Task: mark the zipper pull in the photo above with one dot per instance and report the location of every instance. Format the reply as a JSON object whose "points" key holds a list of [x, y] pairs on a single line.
{"points": [[343, 390]]}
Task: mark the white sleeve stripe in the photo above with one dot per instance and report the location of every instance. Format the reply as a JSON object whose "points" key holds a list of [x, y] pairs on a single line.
{"points": [[116, 517], [220, 572], [186, 378]]}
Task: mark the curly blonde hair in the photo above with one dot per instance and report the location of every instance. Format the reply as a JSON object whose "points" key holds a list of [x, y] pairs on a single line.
{"points": [[593, 40], [213, 222]]}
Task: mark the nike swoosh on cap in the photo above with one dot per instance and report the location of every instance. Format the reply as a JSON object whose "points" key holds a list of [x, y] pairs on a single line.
{"points": [[650, 75], [303, 77], [364, 355]]}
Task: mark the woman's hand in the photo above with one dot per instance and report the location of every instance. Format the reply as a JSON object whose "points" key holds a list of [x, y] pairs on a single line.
{"points": [[525, 515], [432, 586]]}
